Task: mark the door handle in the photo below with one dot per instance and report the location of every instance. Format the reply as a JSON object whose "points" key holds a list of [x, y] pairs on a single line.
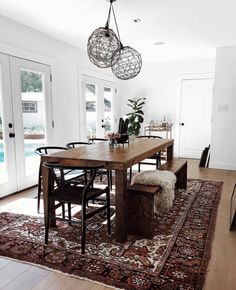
{"points": [[181, 124], [12, 135], [103, 126]]}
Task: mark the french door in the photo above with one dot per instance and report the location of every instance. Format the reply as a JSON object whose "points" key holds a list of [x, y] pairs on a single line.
{"points": [[25, 120], [97, 107]]}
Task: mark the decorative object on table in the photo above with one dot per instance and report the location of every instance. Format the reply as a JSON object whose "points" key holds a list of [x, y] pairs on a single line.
{"points": [[151, 123], [176, 258], [113, 136], [105, 49], [123, 131], [135, 118]]}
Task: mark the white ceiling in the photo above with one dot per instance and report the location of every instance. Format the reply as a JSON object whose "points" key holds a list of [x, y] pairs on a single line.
{"points": [[189, 28]]}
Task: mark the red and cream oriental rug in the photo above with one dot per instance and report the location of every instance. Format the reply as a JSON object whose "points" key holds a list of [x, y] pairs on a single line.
{"points": [[176, 258]]}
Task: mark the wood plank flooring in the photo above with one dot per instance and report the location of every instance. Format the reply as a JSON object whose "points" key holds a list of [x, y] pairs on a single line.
{"points": [[222, 267]]}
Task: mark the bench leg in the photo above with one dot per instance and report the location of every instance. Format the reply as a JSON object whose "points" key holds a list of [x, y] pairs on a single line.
{"points": [[140, 215], [181, 182]]}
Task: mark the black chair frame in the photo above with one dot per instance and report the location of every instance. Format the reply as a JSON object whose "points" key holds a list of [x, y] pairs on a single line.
{"points": [[79, 194], [156, 156], [44, 151]]}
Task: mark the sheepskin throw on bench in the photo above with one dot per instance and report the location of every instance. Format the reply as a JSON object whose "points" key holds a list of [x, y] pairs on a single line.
{"points": [[163, 200]]}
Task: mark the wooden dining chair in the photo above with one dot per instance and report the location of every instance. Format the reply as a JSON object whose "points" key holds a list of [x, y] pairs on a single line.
{"points": [[71, 175], [155, 156], [75, 194]]}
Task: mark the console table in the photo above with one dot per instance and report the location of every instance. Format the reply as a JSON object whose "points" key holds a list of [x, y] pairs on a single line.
{"points": [[167, 128]]}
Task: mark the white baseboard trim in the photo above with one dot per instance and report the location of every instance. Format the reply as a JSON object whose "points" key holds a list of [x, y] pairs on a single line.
{"points": [[227, 166]]}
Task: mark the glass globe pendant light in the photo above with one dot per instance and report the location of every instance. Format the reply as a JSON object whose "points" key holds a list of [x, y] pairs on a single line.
{"points": [[106, 50], [102, 43]]}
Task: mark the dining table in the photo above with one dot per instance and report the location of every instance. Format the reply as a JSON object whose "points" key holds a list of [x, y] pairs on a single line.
{"points": [[119, 159]]}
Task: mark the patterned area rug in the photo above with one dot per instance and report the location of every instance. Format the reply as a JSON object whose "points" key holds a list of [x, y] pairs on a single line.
{"points": [[176, 258]]}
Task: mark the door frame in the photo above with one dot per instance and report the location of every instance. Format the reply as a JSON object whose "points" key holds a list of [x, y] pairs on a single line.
{"points": [[180, 78], [81, 104]]}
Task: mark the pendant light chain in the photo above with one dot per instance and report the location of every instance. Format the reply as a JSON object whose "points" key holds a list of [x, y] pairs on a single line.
{"points": [[118, 33], [108, 18]]}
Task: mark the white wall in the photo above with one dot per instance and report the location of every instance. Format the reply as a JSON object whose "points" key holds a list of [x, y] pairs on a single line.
{"points": [[160, 84], [223, 151], [22, 41]]}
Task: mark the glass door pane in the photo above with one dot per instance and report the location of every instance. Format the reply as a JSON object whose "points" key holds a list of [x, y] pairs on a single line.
{"points": [[108, 118], [96, 107], [91, 110], [33, 103], [3, 169], [3, 164]]}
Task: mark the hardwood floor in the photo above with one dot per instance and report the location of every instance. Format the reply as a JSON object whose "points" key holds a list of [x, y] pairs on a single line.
{"points": [[222, 266]]}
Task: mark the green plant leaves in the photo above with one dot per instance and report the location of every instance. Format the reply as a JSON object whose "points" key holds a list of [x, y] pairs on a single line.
{"points": [[135, 118]]}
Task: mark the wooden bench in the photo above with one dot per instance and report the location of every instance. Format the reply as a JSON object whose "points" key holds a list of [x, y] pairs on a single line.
{"points": [[140, 200], [140, 209], [179, 168]]}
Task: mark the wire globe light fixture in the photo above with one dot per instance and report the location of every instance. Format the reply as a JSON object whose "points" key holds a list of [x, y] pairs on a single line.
{"points": [[106, 50], [102, 43]]}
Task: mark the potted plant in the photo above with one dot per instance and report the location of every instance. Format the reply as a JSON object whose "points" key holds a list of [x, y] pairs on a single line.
{"points": [[135, 118]]}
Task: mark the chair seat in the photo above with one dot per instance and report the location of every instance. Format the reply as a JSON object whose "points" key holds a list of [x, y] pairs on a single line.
{"points": [[74, 194]]}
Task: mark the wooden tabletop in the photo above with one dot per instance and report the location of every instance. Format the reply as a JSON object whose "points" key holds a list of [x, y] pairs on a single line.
{"points": [[118, 158]]}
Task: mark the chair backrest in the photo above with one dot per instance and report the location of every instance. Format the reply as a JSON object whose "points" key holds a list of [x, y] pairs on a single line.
{"points": [[150, 136], [58, 175], [96, 140], [49, 149], [76, 144]]}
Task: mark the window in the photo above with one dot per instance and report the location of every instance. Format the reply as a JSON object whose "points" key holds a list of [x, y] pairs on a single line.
{"points": [[29, 107]]}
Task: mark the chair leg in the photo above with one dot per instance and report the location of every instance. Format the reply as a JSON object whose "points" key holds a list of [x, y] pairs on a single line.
{"points": [[85, 178], [139, 167], [47, 220], [63, 211], [110, 177], [130, 173], [69, 213], [108, 212], [39, 190], [83, 229]]}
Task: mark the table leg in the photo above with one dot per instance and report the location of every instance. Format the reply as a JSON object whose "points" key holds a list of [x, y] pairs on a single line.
{"points": [[121, 191], [170, 152]]}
